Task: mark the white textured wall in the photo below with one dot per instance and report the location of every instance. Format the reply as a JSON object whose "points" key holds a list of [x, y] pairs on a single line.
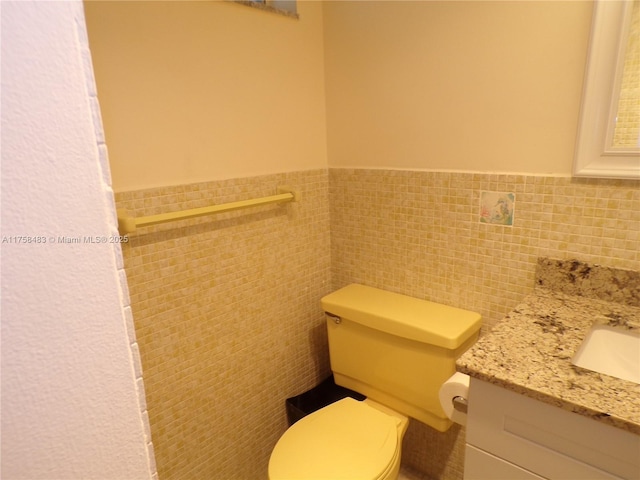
{"points": [[72, 398]]}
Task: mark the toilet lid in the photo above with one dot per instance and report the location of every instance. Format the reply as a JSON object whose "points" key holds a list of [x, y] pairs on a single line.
{"points": [[345, 440]]}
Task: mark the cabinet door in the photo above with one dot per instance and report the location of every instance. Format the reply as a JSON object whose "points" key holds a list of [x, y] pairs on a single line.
{"points": [[547, 440], [480, 465]]}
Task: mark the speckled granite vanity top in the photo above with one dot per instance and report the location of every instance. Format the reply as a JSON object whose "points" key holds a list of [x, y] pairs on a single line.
{"points": [[530, 350]]}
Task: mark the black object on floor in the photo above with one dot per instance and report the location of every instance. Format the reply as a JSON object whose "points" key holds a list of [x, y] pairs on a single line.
{"points": [[319, 396]]}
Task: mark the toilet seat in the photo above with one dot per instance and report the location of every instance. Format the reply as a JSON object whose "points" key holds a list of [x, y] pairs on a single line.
{"points": [[348, 439]]}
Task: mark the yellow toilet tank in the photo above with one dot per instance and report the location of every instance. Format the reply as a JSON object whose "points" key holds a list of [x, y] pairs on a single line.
{"points": [[395, 349]]}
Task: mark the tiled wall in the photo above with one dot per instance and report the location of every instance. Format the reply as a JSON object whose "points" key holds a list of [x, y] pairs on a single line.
{"points": [[227, 319], [227, 313], [419, 233]]}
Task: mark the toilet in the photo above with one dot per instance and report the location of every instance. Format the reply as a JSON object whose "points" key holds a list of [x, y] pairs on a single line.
{"points": [[397, 351]]}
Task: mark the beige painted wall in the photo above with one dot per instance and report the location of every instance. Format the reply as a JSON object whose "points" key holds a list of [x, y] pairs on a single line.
{"points": [[475, 86], [198, 91]]}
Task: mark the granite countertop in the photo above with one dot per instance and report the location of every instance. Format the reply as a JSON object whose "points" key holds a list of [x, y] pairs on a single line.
{"points": [[530, 350]]}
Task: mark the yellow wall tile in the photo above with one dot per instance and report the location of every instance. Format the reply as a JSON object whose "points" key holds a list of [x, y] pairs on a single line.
{"points": [[227, 309]]}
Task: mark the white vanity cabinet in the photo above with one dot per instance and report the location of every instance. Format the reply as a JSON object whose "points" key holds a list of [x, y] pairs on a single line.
{"points": [[512, 437]]}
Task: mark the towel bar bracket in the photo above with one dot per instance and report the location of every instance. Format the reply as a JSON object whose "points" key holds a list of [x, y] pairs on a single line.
{"points": [[288, 189]]}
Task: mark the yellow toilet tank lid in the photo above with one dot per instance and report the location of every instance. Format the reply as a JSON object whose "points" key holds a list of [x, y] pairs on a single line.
{"points": [[404, 316], [345, 440]]}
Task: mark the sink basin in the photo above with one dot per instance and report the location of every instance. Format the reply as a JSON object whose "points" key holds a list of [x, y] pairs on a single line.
{"points": [[611, 350]]}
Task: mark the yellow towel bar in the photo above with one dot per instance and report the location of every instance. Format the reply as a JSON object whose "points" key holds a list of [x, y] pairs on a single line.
{"points": [[128, 224]]}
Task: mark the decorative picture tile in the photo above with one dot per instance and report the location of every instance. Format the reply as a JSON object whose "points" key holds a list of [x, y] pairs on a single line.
{"points": [[497, 208]]}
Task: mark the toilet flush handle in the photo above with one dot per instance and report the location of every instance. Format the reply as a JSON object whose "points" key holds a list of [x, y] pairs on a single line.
{"points": [[335, 318]]}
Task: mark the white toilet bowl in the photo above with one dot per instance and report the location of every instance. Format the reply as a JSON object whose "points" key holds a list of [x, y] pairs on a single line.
{"points": [[347, 440]]}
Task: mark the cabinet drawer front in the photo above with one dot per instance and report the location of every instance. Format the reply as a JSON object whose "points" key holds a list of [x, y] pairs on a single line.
{"points": [[547, 440], [480, 465]]}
